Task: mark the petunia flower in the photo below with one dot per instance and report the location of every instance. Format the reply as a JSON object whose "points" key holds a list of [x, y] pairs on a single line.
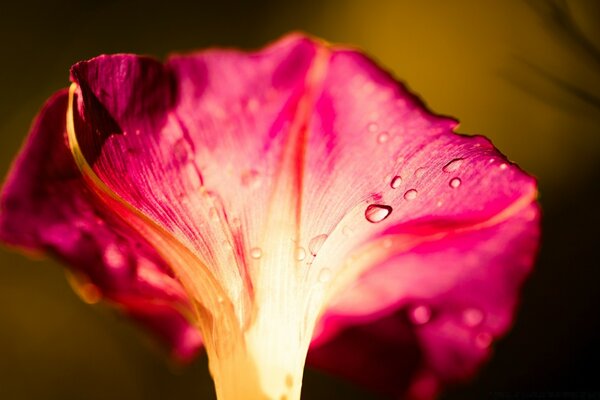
{"points": [[260, 204]]}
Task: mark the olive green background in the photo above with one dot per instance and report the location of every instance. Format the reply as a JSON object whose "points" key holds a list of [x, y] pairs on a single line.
{"points": [[506, 69]]}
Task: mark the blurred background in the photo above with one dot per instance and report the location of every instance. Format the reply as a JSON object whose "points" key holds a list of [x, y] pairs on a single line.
{"points": [[524, 73]]}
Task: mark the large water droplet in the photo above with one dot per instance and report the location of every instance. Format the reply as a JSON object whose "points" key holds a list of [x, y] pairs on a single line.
{"points": [[420, 315], [383, 137], [315, 243], [256, 253], [472, 317], [300, 253], [325, 275], [453, 165], [377, 212], [396, 182], [410, 194], [455, 182]]}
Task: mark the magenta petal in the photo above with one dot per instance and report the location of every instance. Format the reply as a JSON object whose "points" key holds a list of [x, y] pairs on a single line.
{"points": [[46, 207]]}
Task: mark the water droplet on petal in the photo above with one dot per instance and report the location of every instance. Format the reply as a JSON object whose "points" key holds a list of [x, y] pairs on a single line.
{"points": [[325, 275], [256, 253], [483, 340], [453, 165], [503, 166], [439, 203], [472, 317], [373, 127], [410, 194], [377, 212], [383, 137], [420, 315], [300, 253], [396, 182], [315, 243], [419, 172], [251, 179], [113, 257], [455, 182]]}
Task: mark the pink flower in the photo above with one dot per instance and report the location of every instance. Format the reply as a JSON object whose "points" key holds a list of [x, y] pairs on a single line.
{"points": [[270, 201]]}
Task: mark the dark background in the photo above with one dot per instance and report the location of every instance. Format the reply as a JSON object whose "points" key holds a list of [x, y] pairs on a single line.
{"points": [[525, 74]]}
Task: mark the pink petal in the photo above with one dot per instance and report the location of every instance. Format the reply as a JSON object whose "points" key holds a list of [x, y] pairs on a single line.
{"points": [[46, 207]]}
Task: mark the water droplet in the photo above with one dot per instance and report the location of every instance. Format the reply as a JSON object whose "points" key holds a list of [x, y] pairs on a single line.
{"points": [[453, 165], [251, 179], [455, 182], [383, 137], [439, 203], [180, 150], [483, 340], [377, 212], [472, 317], [410, 194], [315, 243], [289, 380], [256, 253], [300, 253], [419, 172], [373, 127], [420, 315], [503, 166], [113, 257], [325, 275], [396, 181]]}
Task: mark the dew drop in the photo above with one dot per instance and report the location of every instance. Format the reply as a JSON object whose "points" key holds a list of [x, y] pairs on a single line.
{"points": [[315, 243], [439, 203], [383, 137], [325, 275], [300, 253], [256, 253], [503, 166], [251, 179], [472, 317], [396, 182], [420, 315], [410, 194], [483, 340], [455, 182], [453, 165], [377, 212], [419, 172], [372, 127]]}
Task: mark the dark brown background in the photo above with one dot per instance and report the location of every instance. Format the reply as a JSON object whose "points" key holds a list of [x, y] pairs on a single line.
{"points": [[512, 70]]}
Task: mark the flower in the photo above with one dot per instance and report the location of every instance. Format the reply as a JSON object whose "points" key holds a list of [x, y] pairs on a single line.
{"points": [[261, 203]]}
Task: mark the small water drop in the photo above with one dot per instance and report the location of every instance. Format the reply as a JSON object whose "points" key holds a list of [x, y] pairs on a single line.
{"points": [[396, 182], [420, 315], [410, 194], [315, 243], [373, 127], [419, 172], [383, 137], [439, 203], [256, 253], [377, 212], [387, 243], [180, 150], [453, 165], [300, 253], [251, 179], [472, 317], [483, 340], [325, 275], [503, 166], [455, 182]]}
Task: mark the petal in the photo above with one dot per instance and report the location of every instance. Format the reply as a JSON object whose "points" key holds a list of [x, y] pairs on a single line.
{"points": [[445, 303], [47, 207]]}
